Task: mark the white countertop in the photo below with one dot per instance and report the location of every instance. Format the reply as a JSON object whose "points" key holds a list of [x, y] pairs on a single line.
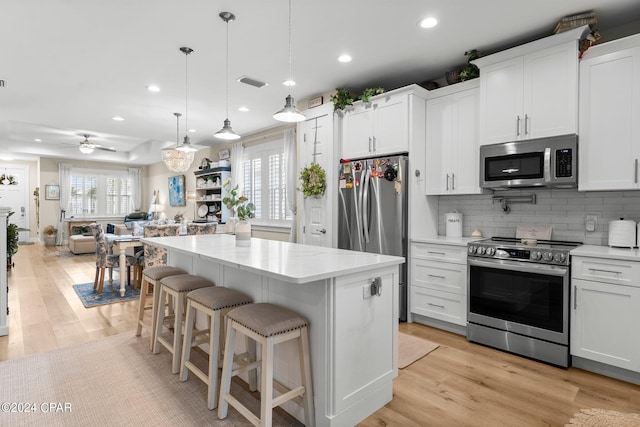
{"points": [[286, 261], [444, 240], [607, 252]]}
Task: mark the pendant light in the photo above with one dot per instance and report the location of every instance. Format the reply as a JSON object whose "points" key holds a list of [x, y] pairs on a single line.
{"points": [[289, 113], [227, 132], [186, 144], [174, 159]]}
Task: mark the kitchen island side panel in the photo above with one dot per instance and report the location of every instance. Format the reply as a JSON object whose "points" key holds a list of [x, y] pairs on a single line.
{"points": [[353, 337]]}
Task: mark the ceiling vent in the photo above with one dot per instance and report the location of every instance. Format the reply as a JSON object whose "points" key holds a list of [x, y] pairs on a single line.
{"points": [[252, 82]]}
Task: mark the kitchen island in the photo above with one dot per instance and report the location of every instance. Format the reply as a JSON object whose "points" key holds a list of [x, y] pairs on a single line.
{"points": [[350, 299]]}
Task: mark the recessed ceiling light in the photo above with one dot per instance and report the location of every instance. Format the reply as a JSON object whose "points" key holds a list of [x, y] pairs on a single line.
{"points": [[117, 118], [192, 130], [37, 140], [289, 82], [428, 22], [344, 58], [243, 109], [153, 88]]}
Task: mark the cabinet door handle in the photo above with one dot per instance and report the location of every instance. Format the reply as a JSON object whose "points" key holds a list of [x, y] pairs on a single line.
{"points": [[575, 297], [447, 182], [435, 253], [526, 127], [453, 181], [436, 305], [369, 144], [518, 126], [636, 172], [374, 144], [437, 277], [605, 271]]}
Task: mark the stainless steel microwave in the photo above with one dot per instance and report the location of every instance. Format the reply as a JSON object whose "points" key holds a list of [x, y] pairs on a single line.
{"points": [[542, 162]]}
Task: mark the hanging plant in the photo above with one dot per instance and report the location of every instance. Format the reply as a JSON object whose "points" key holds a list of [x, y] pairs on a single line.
{"points": [[314, 180], [341, 99]]}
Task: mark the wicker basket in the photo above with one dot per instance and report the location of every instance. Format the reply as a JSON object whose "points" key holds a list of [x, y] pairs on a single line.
{"points": [[453, 76]]}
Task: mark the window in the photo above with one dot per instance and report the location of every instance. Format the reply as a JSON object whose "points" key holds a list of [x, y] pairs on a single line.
{"points": [[105, 193], [265, 181]]}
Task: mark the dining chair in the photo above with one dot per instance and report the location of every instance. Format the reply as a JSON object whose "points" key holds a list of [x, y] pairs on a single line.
{"points": [[105, 260], [203, 228]]}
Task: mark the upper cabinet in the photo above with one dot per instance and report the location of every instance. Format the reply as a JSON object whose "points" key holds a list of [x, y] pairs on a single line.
{"points": [[609, 126], [530, 91], [452, 140], [379, 127]]}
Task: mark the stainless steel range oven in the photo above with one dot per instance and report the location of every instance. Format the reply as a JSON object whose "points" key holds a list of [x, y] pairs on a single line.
{"points": [[519, 297]]}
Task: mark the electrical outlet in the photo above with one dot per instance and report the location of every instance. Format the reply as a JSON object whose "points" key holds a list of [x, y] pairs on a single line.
{"points": [[591, 222]]}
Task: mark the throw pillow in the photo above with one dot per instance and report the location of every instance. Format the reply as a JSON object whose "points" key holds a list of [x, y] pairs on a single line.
{"points": [[138, 228]]}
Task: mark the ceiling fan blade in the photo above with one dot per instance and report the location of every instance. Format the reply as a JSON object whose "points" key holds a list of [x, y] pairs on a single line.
{"points": [[99, 147]]}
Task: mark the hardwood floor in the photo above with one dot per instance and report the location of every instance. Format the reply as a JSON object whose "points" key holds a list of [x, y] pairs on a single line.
{"points": [[466, 384], [45, 312], [458, 384]]}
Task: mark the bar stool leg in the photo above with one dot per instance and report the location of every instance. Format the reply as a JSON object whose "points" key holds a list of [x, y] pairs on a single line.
{"points": [[144, 290], [227, 366], [177, 335], [188, 338], [159, 320], [266, 389]]}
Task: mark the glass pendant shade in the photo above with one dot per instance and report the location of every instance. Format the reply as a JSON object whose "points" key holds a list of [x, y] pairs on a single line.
{"points": [[289, 113], [86, 148], [175, 159], [226, 132]]}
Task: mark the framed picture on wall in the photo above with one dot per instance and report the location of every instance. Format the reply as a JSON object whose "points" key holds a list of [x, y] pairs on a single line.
{"points": [[52, 192], [177, 191]]}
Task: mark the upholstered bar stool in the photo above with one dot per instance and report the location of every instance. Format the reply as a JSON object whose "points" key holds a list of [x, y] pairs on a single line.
{"points": [[151, 278], [267, 324], [176, 288], [214, 302]]}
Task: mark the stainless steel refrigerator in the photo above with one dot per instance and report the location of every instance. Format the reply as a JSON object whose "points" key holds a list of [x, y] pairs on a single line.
{"points": [[372, 210]]}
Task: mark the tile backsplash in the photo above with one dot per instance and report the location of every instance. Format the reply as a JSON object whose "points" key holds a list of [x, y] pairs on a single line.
{"points": [[564, 210]]}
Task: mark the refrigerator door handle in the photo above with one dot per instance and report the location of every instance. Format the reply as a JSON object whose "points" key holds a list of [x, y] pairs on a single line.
{"points": [[365, 204], [357, 192]]}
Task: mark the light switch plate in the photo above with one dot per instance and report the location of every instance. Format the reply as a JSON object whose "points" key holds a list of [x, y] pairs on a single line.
{"points": [[591, 222]]}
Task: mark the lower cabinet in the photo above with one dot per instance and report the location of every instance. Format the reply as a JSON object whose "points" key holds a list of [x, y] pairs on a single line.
{"points": [[438, 277], [605, 313]]}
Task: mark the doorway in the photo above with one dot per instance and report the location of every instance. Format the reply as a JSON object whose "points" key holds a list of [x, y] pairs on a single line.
{"points": [[14, 193]]}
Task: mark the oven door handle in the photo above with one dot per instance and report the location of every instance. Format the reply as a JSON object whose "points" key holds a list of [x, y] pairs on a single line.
{"points": [[552, 270]]}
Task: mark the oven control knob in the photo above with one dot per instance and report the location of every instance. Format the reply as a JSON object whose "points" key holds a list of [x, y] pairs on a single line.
{"points": [[536, 255], [472, 250], [548, 256], [491, 251], [481, 250], [559, 258]]}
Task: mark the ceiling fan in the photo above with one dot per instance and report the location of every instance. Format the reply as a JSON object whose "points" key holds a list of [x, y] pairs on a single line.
{"points": [[87, 146]]}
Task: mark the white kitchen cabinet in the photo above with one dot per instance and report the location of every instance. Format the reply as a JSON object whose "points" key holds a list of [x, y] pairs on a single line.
{"points": [[530, 91], [452, 154], [603, 310], [382, 126], [609, 126], [438, 282]]}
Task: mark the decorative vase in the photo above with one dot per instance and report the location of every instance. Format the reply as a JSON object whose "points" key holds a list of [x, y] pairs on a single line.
{"points": [[49, 240], [232, 222], [243, 233]]}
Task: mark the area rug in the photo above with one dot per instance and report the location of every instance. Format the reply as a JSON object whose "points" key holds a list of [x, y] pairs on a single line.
{"points": [[411, 349], [114, 381], [602, 418], [110, 294]]}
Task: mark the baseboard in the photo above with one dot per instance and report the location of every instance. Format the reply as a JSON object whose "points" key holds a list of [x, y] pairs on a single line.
{"points": [[607, 370], [435, 323]]}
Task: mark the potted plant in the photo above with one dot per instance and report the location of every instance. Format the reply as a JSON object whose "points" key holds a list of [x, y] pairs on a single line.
{"points": [[366, 94], [341, 100], [242, 210], [50, 233], [12, 240], [314, 180], [470, 71]]}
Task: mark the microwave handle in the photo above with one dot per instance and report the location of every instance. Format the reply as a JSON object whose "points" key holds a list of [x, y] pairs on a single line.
{"points": [[547, 164]]}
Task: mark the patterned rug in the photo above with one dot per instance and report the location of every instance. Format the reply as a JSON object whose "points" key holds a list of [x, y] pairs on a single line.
{"points": [[65, 253], [110, 294], [602, 418]]}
